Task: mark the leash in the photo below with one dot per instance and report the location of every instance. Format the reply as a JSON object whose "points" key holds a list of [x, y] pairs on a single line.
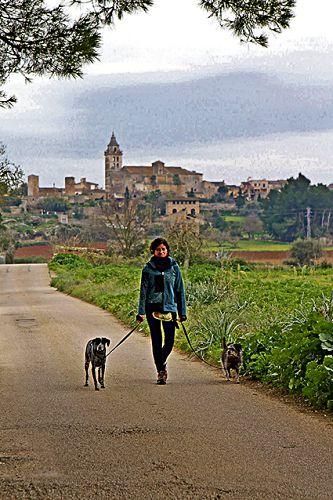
{"points": [[193, 350], [123, 339], [187, 338]]}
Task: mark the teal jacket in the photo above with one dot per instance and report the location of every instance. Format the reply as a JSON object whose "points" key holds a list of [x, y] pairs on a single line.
{"points": [[172, 298]]}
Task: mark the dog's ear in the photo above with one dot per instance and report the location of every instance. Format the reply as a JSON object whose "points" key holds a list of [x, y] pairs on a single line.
{"points": [[238, 347], [97, 340], [106, 341]]}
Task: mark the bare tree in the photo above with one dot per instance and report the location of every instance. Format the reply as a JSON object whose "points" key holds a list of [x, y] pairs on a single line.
{"points": [[185, 241], [65, 234], [127, 225]]}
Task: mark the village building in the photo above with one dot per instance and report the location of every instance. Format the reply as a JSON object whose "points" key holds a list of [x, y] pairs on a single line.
{"points": [[210, 188], [84, 188], [189, 206], [233, 191], [253, 189], [142, 179], [184, 187]]}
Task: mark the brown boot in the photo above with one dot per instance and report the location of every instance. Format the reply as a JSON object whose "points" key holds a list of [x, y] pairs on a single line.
{"points": [[161, 377]]}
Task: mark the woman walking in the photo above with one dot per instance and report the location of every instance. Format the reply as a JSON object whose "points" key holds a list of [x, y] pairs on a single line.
{"points": [[162, 296]]}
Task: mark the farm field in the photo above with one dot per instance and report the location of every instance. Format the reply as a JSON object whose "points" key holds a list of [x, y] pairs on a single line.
{"points": [[31, 252], [234, 218], [282, 317], [273, 257], [265, 252], [261, 246]]}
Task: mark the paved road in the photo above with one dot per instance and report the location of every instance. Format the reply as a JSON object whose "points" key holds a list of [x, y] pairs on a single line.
{"points": [[195, 438]]}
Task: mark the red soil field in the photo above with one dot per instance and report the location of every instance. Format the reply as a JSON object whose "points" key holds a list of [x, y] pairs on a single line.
{"points": [[276, 258], [45, 251]]}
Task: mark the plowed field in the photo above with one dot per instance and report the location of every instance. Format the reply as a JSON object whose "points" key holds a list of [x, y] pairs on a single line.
{"points": [[274, 257]]}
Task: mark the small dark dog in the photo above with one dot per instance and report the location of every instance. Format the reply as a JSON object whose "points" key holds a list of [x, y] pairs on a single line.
{"points": [[96, 355], [231, 358]]}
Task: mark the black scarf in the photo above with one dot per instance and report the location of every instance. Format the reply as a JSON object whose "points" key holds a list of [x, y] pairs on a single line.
{"points": [[161, 263]]}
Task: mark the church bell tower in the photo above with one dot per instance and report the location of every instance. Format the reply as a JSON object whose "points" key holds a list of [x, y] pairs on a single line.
{"points": [[113, 163]]}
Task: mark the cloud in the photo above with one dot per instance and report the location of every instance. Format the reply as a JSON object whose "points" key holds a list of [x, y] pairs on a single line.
{"points": [[78, 120], [65, 127]]}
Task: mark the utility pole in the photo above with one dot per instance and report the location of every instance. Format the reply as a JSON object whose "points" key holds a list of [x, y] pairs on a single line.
{"points": [[308, 223]]}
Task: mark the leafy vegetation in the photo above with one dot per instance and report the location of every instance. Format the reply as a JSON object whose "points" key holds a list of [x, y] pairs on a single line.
{"points": [[306, 252], [282, 317], [10, 174], [298, 210]]}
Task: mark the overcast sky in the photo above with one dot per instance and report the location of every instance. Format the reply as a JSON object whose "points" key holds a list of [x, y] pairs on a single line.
{"points": [[174, 86]]}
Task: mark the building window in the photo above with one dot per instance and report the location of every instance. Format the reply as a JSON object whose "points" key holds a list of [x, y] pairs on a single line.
{"points": [[174, 210]]}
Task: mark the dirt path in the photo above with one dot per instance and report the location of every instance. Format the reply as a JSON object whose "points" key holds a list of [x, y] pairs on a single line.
{"points": [[194, 438]]}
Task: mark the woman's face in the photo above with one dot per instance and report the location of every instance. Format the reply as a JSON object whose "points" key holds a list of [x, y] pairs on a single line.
{"points": [[161, 251]]}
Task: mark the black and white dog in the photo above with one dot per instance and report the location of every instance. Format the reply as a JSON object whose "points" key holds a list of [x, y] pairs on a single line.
{"points": [[231, 358], [96, 355]]}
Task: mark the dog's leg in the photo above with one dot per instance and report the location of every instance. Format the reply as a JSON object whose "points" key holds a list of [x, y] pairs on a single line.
{"points": [[101, 376], [227, 372], [93, 371], [86, 367], [237, 375]]}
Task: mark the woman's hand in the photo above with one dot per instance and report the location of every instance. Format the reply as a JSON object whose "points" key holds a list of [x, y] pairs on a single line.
{"points": [[140, 318], [182, 319]]}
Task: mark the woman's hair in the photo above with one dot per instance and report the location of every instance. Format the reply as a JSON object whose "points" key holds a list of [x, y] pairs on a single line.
{"points": [[157, 242]]}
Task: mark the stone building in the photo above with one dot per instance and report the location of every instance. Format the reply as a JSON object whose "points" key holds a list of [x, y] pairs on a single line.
{"points": [[35, 191], [72, 188], [190, 206], [141, 179], [252, 189]]}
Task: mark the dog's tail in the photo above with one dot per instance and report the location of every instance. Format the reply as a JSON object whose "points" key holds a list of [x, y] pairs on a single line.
{"points": [[223, 344]]}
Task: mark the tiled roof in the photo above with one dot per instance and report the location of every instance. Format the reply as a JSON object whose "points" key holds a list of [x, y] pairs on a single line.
{"points": [[148, 170], [139, 170]]}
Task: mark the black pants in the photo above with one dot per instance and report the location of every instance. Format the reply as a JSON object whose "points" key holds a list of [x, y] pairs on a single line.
{"points": [[161, 350]]}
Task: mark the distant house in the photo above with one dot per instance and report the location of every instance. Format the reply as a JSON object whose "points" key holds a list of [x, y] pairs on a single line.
{"points": [[188, 206], [252, 189], [63, 218]]}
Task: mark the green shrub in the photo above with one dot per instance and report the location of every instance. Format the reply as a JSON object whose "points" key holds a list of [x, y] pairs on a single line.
{"points": [[69, 260], [30, 260], [236, 264], [292, 356], [318, 383]]}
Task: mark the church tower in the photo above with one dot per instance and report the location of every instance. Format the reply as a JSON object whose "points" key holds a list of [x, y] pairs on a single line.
{"points": [[113, 162]]}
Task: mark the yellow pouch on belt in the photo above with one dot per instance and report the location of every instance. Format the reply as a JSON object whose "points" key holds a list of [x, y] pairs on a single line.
{"points": [[162, 316]]}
